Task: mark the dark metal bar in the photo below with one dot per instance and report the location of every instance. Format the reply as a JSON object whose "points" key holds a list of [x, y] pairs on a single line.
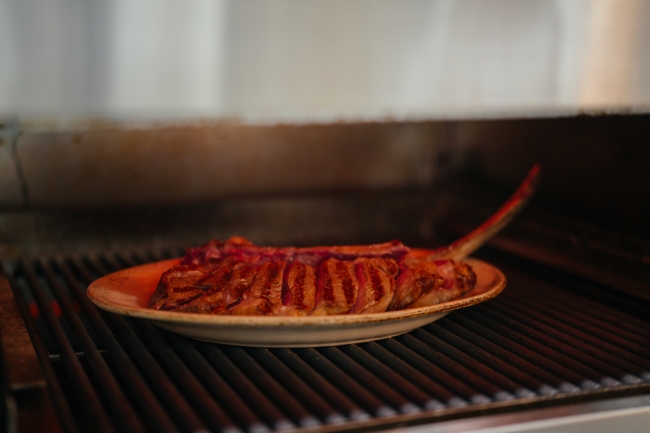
{"points": [[588, 309], [466, 350], [536, 363], [113, 263], [592, 334], [392, 378], [330, 393], [148, 256], [61, 406], [369, 380], [345, 383], [217, 386], [245, 387], [399, 366], [296, 386], [267, 384], [131, 257], [564, 271], [581, 356], [147, 403], [212, 413], [88, 398], [433, 371], [172, 399], [503, 360], [591, 343], [422, 346], [93, 262], [114, 397], [590, 286], [20, 366], [171, 252], [554, 367]]}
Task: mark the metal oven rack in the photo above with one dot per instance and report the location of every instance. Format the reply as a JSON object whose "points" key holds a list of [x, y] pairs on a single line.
{"points": [[549, 339]]}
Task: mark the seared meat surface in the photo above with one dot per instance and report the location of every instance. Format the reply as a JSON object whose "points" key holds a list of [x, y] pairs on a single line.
{"points": [[264, 296], [226, 286], [455, 278], [416, 278], [337, 287], [299, 290], [239, 278], [177, 286], [376, 278], [243, 249]]}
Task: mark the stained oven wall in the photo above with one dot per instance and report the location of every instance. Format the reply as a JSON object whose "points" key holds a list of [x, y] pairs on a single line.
{"points": [[595, 168], [121, 166]]}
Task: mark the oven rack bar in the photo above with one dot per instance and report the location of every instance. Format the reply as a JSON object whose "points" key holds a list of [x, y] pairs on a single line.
{"points": [[544, 341]]}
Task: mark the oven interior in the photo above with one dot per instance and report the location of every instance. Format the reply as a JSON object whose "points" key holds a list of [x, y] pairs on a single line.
{"points": [[568, 335]]}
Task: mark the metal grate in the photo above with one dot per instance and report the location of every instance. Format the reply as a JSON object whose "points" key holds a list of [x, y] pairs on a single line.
{"points": [[548, 339]]}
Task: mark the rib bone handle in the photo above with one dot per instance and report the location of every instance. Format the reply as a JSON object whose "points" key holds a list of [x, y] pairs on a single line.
{"points": [[472, 241]]}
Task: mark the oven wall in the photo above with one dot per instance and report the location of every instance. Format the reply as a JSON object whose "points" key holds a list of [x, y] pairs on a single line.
{"points": [[594, 168], [120, 166]]}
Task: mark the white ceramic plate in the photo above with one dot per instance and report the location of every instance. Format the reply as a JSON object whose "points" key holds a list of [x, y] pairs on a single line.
{"points": [[126, 292]]}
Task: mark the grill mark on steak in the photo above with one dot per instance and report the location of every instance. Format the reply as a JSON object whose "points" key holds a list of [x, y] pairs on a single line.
{"points": [[377, 287], [294, 289], [337, 287], [376, 279], [264, 296], [180, 285], [299, 283], [343, 273], [326, 281], [299, 290]]}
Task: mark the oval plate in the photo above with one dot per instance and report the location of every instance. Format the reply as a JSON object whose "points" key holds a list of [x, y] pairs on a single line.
{"points": [[126, 292]]}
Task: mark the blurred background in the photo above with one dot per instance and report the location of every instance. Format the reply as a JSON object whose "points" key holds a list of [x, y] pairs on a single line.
{"points": [[290, 60], [131, 104]]}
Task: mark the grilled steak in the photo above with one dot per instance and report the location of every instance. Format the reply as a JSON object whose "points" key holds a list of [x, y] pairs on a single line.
{"points": [[239, 278]]}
